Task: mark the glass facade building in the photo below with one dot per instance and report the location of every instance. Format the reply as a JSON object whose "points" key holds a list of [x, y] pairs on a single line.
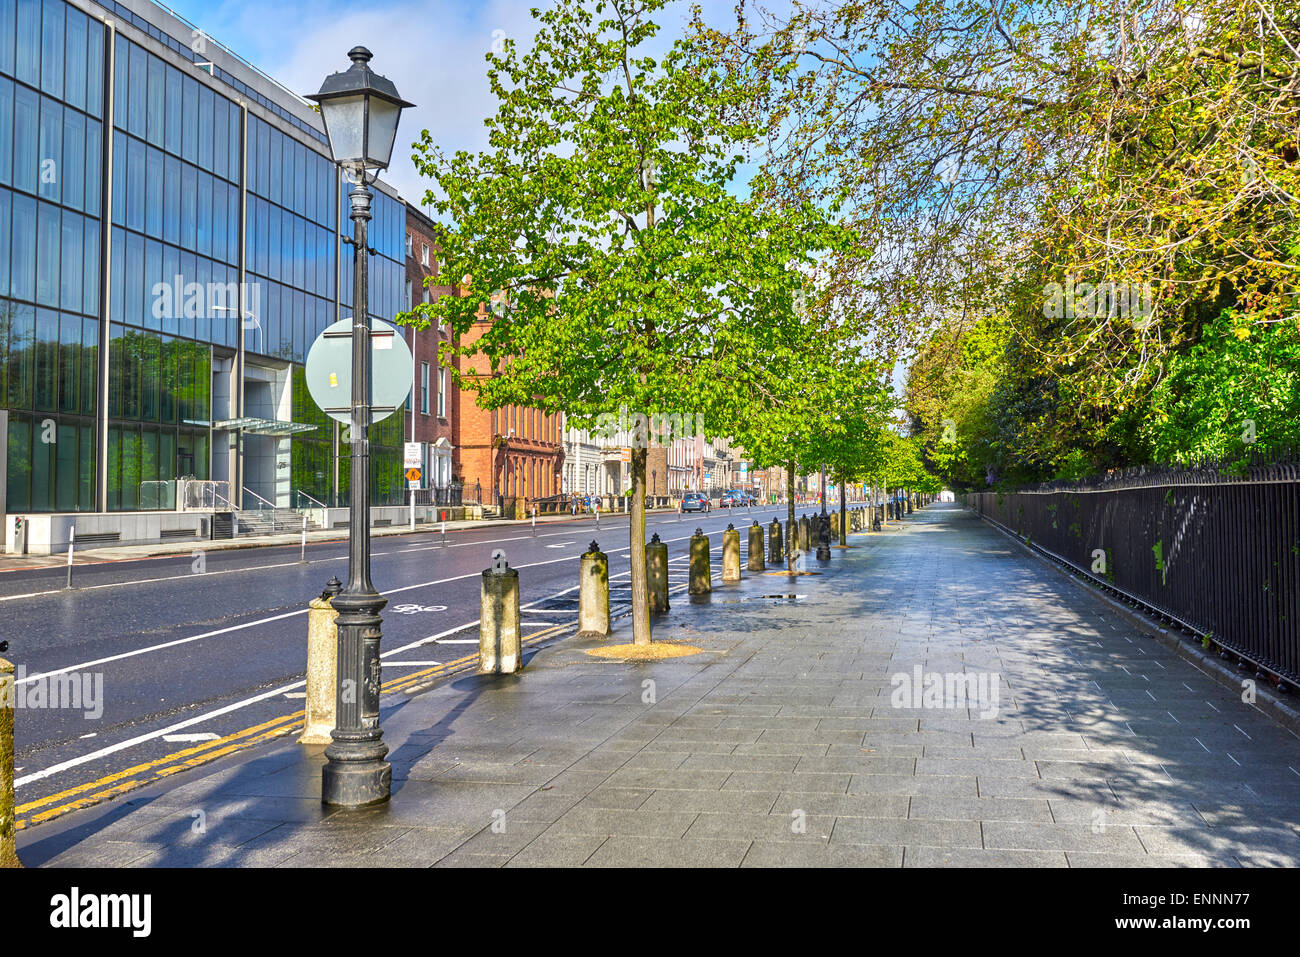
{"points": [[170, 246]]}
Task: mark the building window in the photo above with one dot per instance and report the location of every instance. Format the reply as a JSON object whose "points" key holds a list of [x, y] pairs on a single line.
{"points": [[410, 294], [410, 251], [424, 388], [442, 393], [424, 256]]}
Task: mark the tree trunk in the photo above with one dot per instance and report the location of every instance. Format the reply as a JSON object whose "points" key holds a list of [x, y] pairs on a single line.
{"points": [[636, 541], [843, 512], [789, 521]]}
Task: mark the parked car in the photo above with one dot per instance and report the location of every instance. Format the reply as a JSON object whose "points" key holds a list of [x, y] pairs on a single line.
{"points": [[734, 497], [695, 502]]}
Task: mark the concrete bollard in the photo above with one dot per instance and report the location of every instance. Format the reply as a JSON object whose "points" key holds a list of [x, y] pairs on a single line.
{"points": [[823, 532], [499, 650], [593, 593], [776, 554], [656, 574], [756, 563], [8, 849], [731, 554], [805, 534], [701, 581], [322, 667]]}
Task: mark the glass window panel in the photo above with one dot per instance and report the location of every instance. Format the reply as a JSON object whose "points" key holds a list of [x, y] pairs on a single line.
{"points": [[190, 119], [149, 360], [156, 111], [27, 143], [86, 468], [274, 243], [121, 86], [167, 383], [156, 287], [69, 363], [90, 292], [113, 480], [220, 130], [45, 396], [119, 178], [262, 242], [22, 355], [73, 172], [74, 67], [173, 104], [130, 470], [95, 70], [8, 33], [52, 48], [47, 255], [234, 141], [204, 217], [189, 270], [6, 124], [154, 181], [273, 184], [171, 274], [89, 365], [171, 199], [232, 224], [299, 252], [42, 470], [5, 237], [93, 159], [133, 279], [135, 194], [139, 91], [300, 179], [189, 206], [51, 149], [116, 365], [219, 206], [205, 127], [166, 455], [73, 259], [117, 304]]}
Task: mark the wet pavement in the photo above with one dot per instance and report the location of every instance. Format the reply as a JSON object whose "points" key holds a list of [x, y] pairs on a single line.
{"points": [[934, 697]]}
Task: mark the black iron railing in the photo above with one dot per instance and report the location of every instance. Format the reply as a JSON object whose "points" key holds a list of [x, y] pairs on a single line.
{"points": [[1216, 554]]}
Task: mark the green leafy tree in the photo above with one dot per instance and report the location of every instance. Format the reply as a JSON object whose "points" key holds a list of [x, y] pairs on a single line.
{"points": [[627, 277]]}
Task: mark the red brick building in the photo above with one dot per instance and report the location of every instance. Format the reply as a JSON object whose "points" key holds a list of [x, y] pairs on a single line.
{"points": [[429, 410], [507, 453]]}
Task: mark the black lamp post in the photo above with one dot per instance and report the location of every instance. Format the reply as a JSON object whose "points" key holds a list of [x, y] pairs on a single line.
{"points": [[361, 110]]}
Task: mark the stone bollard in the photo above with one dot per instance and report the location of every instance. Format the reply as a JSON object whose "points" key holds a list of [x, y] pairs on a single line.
{"points": [[8, 849], [701, 582], [656, 574], [823, 537], [776, 554], [756, 563], [593, 593], [805, 534], [499, 650], [322, 667], [731, 554]]}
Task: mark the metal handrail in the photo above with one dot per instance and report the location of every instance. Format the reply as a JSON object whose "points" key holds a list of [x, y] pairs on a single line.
{"points": [[310, 499], [249, 491]]}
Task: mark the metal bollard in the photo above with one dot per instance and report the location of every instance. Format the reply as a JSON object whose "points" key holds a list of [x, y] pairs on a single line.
{"points": [[731, 554], [805, 534], [756, 563], [823, 533], [775, 552], [593, 593], [322, 667], [8, 849], [499, 650], [701, 578], [656, 574]]}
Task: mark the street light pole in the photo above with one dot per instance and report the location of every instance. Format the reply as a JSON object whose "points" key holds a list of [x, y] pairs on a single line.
{"points": [[361, 111], [357, 773]]}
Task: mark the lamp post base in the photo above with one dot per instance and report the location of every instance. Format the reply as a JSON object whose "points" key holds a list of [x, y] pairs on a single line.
{"points": [[356, 783]]}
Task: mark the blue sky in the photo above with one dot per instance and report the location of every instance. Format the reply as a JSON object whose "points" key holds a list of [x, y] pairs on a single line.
{"points": [[432, 49]]}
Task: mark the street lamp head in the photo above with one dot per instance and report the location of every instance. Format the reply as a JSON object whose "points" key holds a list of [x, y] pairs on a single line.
{"points": [[360, 109]]}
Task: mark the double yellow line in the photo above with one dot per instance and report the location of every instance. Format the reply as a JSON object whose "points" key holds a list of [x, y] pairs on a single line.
{"points": [[137, 776]]}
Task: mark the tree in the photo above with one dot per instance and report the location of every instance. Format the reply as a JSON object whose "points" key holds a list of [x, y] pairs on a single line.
{"points": [[627, 278]]}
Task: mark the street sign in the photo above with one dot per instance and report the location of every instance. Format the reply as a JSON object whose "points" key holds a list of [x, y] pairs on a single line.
{"points": [[413, 455], [329, 371], [413, 475]]}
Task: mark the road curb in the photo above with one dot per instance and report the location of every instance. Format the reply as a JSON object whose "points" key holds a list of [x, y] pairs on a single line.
{"points": [[1186, 646]]}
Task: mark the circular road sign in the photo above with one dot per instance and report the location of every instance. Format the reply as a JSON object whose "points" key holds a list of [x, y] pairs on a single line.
{"points": [[329, 371]]}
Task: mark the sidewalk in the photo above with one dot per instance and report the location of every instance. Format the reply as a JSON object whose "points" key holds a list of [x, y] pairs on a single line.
{"points": [[781, 743]]}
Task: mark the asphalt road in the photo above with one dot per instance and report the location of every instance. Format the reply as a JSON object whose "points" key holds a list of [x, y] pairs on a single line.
{"points": [[167, 649]]}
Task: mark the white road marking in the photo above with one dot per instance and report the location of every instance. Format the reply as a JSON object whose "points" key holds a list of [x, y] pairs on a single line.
{"points": [[197, 736], [410, 664]]}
